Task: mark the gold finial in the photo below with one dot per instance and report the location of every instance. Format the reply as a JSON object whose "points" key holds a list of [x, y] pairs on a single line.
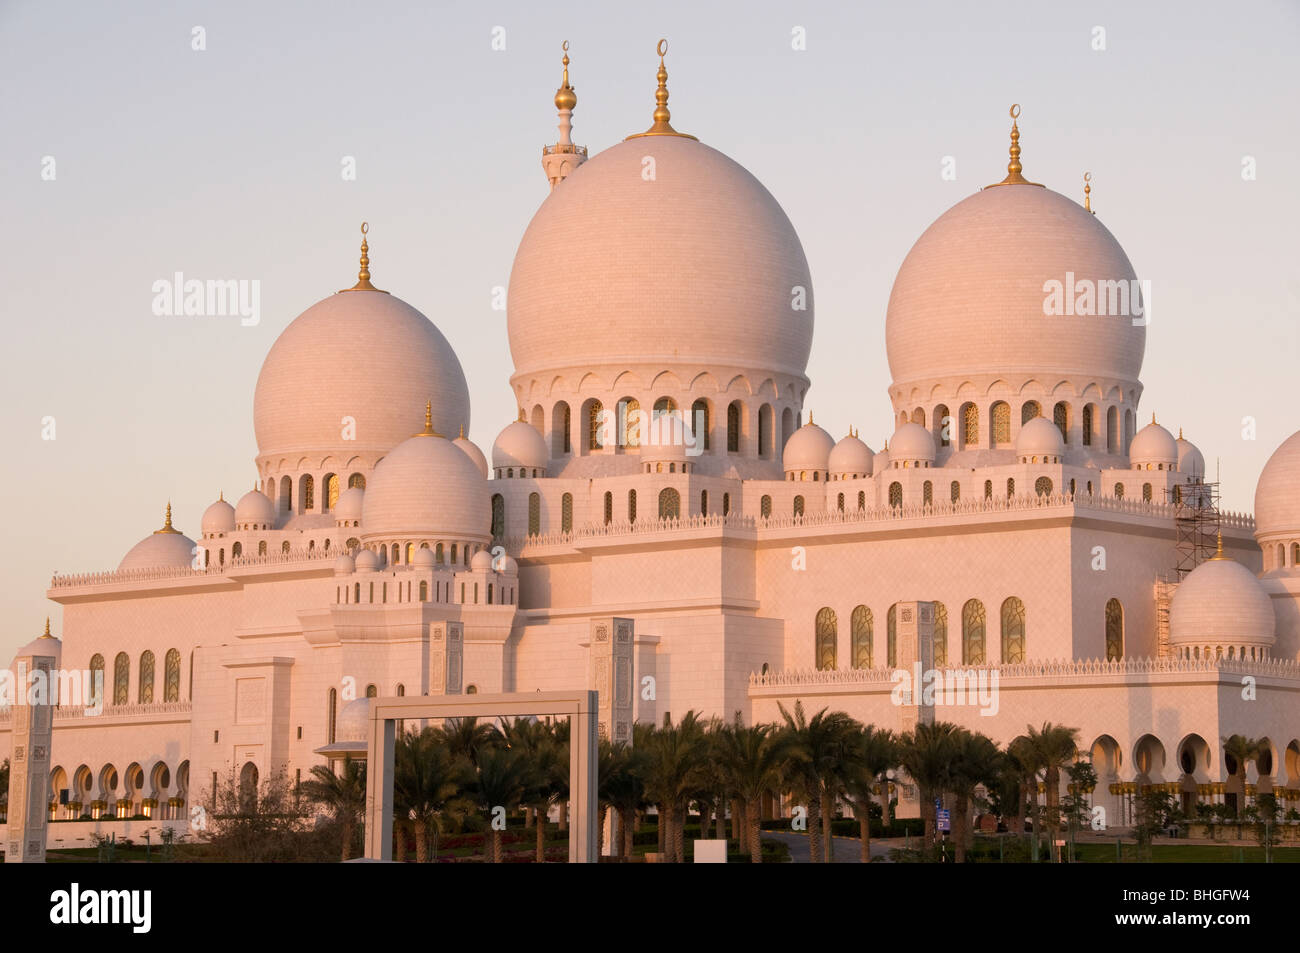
{"points": [[1087, 191], [1218, 552], [47, 629], [363, 277], [661, 125], [462, 426], [1180, 433], [566, 97], [810, 420], [428, 430], [521, 415], [1153, 416], [167, 523], [1014, 167]]}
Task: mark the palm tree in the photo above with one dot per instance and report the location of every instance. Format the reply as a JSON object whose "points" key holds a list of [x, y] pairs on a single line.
{"points": [[674, 757], [875, 751], [975, 761], [467, 738], [825, 740], [752, 757], [1055, 747], [1023, 759], [622, 787], [1242, 750], [926, 754], [342, 794], [428, 787], [549, 769], [503, 776]]}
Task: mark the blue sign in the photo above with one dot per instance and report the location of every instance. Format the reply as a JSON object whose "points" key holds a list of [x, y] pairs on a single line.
{"points": [[945, 821]]}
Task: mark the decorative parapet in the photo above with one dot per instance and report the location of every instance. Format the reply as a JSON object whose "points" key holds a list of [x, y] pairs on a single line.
{"points": [[73, 712], [212, 570]]}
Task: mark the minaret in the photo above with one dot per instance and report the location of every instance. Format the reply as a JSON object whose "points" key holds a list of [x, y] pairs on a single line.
{"points": [[562, 158], [29, 761]]}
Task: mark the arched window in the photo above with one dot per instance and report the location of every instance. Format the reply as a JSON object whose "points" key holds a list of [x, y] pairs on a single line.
{"points": [[733, 427], [726, 503], [1013, 630], [664, 405], [284, 547], [839, 503], [862, 499], [861, 623], [700, 422], [1072, 488], [396, 558], [988, 489], [97, 684], [972, 633], [954, 491], [424, 590], [940, 635], [1114, 630], [144, 694], [357, 481], [895, 494], [670, 504], [1119, 491], [609, 508], [1001, 414], [765, 507], [927, 493], [410, 553], [566, 513], [594, 411], [237, 550], [918, 416], [891, 636], [631, 506], [1029, 410], [372, 691], [1089, 423], [1146, 492], [1112, 430], [704, 502], [970, 425], [765, 430], [629, 415], [1295, 554], [121, 679], [1011, 487], [1178, 494], [798, 506], [1043, 486], [261, 547], [439, 553], [942, 426], [286, 494], [331, 484], [561, 421], [534, 514], [331, 715], [498, 516], [172, 676], [827, 635], [306, 493], [1061, 417]]}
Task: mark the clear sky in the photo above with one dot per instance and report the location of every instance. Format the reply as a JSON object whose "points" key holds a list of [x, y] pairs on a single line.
{"points": [[226, 163]]}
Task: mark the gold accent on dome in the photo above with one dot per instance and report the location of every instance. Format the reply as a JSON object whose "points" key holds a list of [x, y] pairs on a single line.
{"points": [[1014, 167], [566, 97], [521, 416], [462, 428], [47, 629], [428, 430], [167, 523], [1218, 552], [1087, 191], [1180, 433], [1153, 416], [661, 125], [363, 276]]}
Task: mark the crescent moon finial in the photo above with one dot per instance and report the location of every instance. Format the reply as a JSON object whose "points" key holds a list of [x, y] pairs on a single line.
{"points": [[1015, 111], [565, 46], [662, 48]]}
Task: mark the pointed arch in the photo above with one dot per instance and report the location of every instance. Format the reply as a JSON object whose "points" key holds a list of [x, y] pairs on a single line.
{"points": [[827, 634], [861, 624], [1013, 630]]}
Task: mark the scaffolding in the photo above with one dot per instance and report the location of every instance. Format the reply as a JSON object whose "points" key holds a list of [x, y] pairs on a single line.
{"points": [[1196, 524]]}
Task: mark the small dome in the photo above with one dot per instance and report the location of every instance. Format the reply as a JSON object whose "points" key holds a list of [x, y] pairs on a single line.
{"points": [[344, 565], [1190, 460], [426, 488], [256, 508], [851, 455], [472, 451], [911, 443], [665, 437], [481, 561], [166, 548], [1221, 603], [1277, 494], [218, 518], [347, 508], [367, 561], [423, 558], [1041, 438], [519, 445], [1153, 445], [880, 462], [509, 567], [46, 646], [809, 448], [354, 722]]}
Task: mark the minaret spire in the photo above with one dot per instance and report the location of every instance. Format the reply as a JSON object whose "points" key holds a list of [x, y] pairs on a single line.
{"points": [[661, 125], [1087, 191], [559, 160], [363, 276], [1014, 168]]}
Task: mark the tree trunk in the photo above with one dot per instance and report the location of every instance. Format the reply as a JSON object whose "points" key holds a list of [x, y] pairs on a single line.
{"points": [[930, 817], [755, 839], [739, 822], [494, 846], [960, 821], [421, 841], [627, 827], [863, 810], [814, 830], [564, 815], [349, 828], [720, 821], [679, 833], [541, 836], [399, 838], [661, 822], [828, 811]]}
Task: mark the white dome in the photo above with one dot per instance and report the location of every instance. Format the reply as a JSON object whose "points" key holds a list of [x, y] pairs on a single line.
{"points": [[426, 487], [509, 567], [911, 443], [218, 518], [1277, 494], [345, 357], [344, 565], [969, 299], [1040, 437], [354, 722], [367, 561], [1190, 460], [519, 445], [695, 269], [1221, 603], [1153, 445], [809, 448], [851, 455], [348, 507], [665, 437], [880, 462], [423, 558], [255, 507], [481, 561], [166, 548], [472, 451], [46, 646]]}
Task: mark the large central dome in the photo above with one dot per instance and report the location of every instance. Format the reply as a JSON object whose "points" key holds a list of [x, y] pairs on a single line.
{"points": [[660, 251]]}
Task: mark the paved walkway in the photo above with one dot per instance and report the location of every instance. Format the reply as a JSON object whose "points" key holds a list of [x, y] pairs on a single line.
{"points": [[848, 850]]}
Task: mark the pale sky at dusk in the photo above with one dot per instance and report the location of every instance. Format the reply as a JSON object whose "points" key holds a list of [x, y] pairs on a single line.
{"points": [[225, 163]]}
